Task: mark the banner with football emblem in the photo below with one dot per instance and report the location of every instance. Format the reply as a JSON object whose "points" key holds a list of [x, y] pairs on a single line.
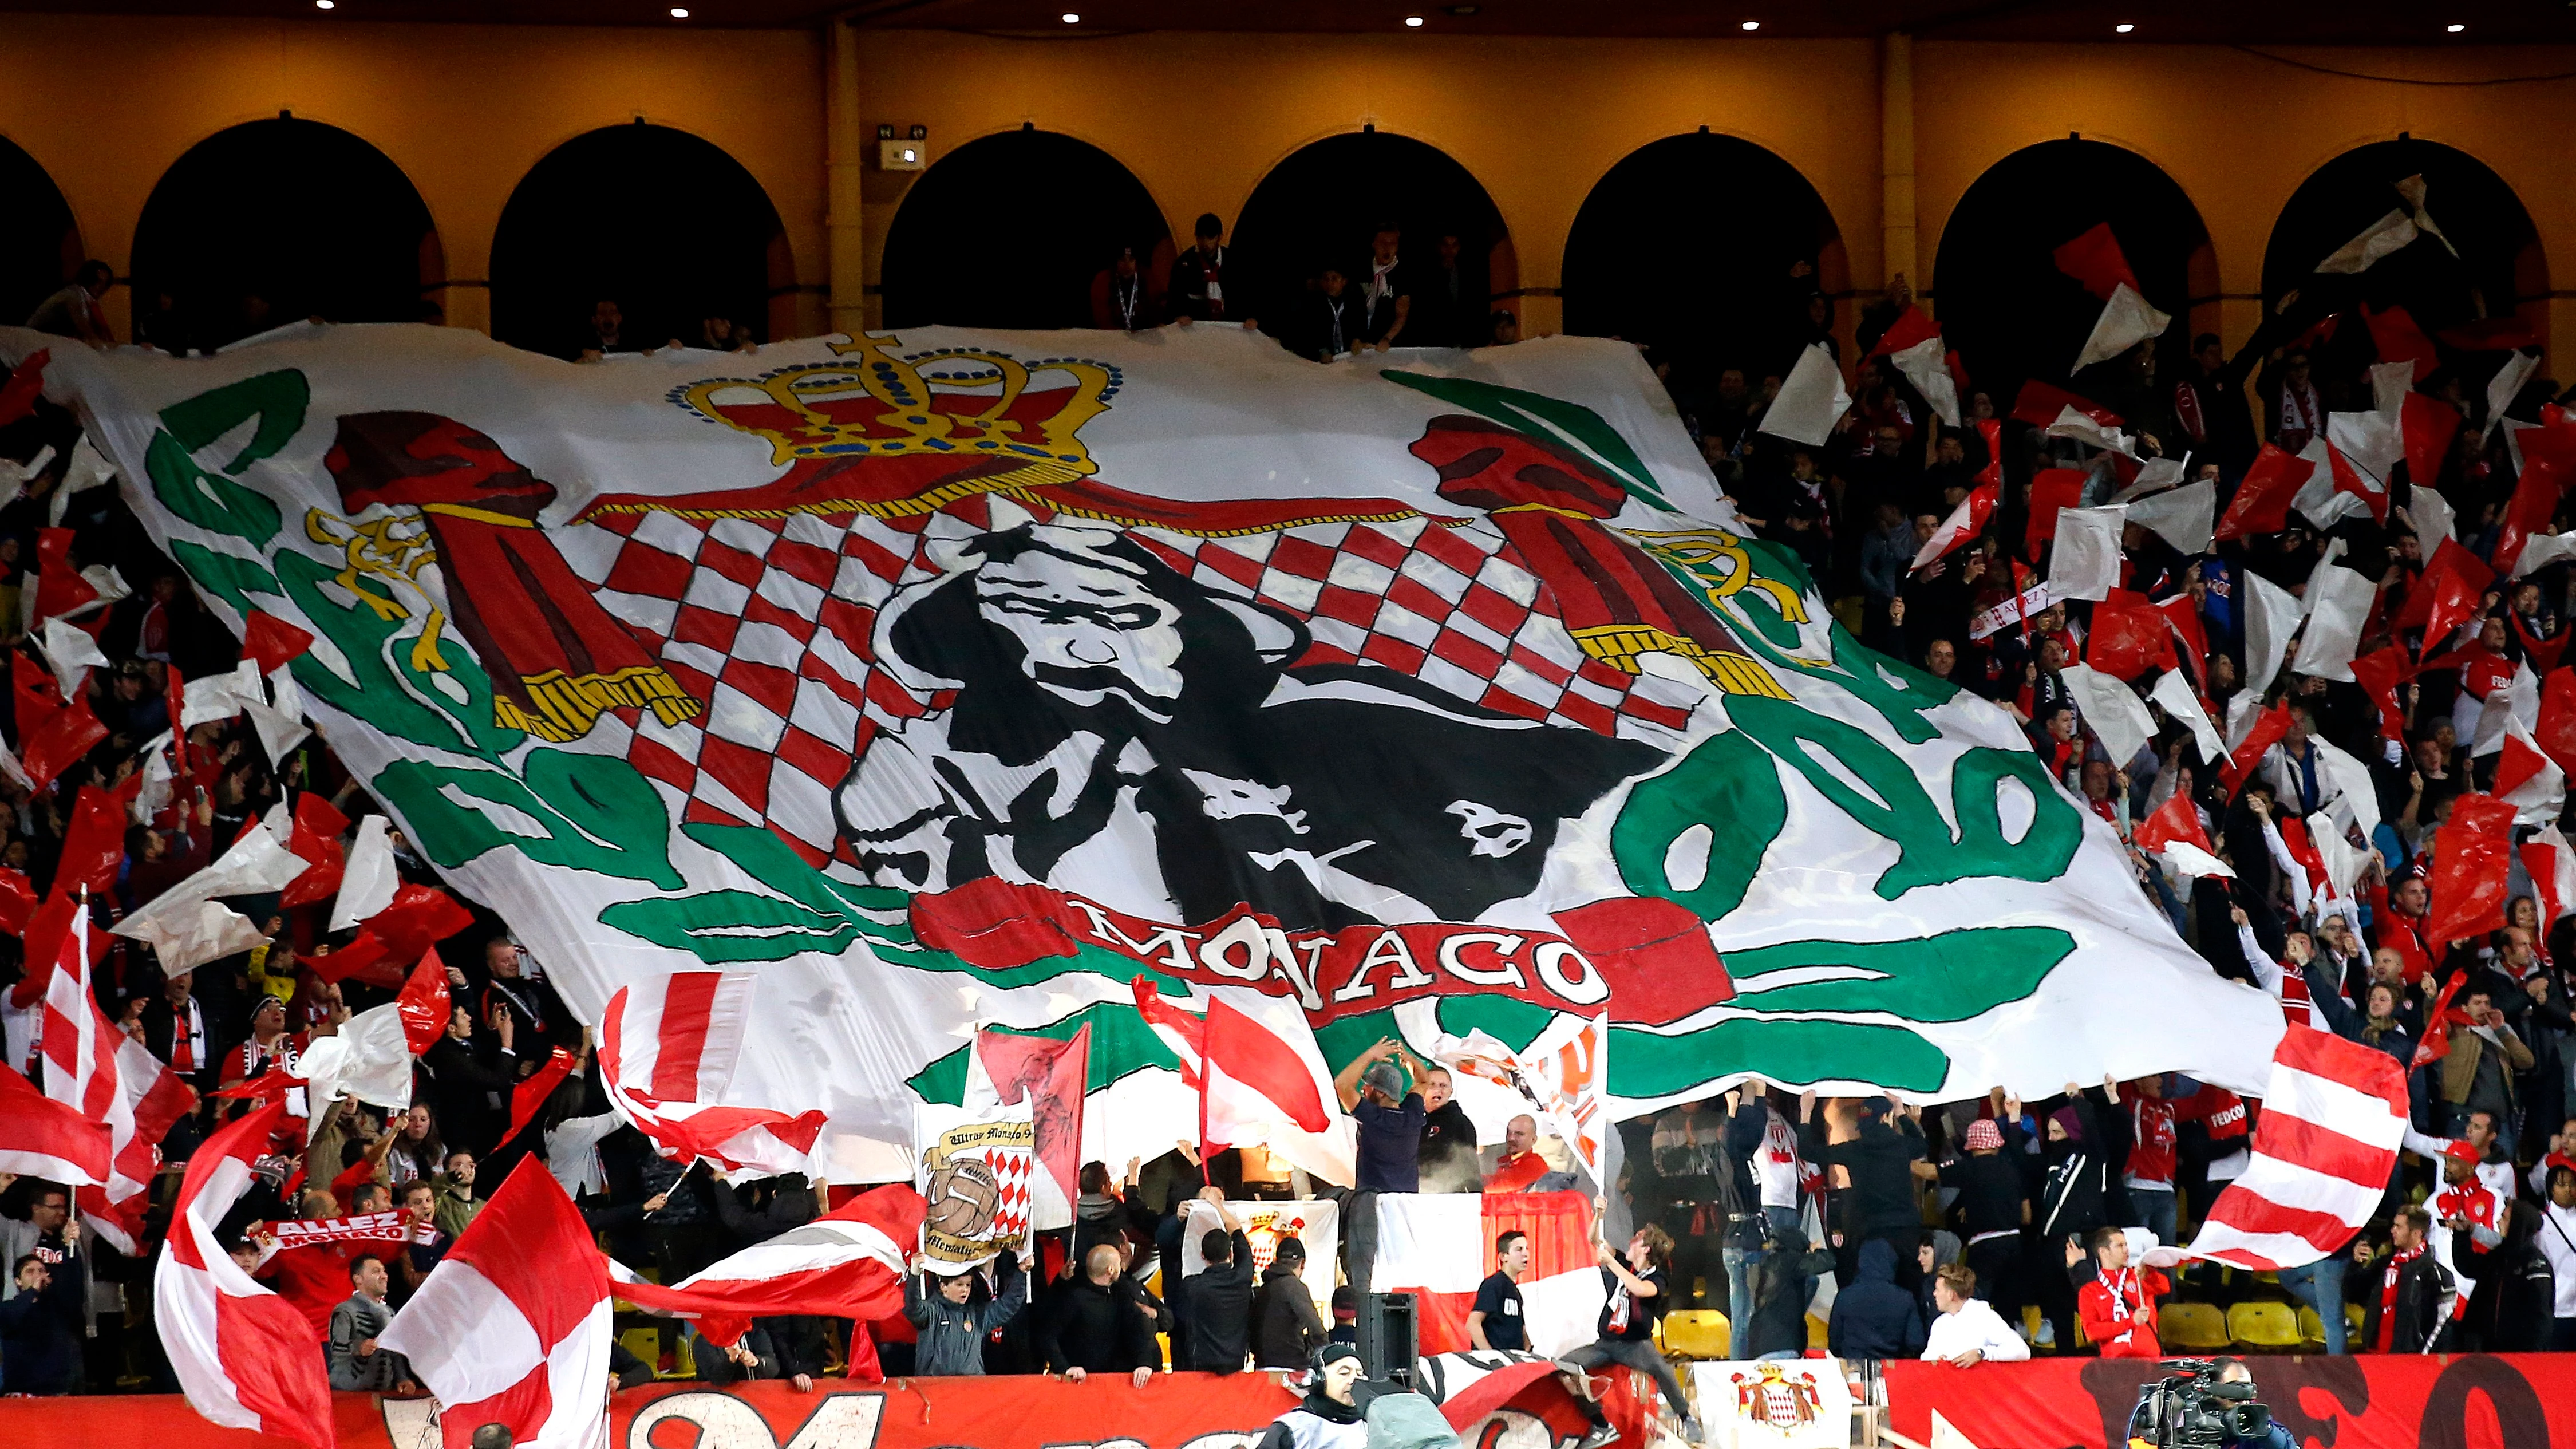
{"points": [[941, 680]]}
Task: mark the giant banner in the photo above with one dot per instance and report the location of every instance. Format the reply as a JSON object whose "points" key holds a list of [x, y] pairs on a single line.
{"points": [[894, 686]]}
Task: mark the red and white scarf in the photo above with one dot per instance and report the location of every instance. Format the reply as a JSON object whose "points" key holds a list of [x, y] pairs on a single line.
{"points": [[2388, 1294]]}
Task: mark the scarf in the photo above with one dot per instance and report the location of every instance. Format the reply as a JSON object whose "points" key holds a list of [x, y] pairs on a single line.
{"points": [[1329, 1409], [2388, 1295], [2299, 409]]}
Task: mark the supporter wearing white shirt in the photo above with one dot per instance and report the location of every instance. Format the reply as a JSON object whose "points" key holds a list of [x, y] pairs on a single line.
{"points": [[1969, 1331], [2558, 1244]]}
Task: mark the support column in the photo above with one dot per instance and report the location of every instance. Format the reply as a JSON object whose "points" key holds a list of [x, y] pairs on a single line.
{"points": [[844, 154], [1896, 159]]}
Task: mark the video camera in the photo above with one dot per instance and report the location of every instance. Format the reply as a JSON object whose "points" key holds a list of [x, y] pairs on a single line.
{"points": [[2189, 1408]]}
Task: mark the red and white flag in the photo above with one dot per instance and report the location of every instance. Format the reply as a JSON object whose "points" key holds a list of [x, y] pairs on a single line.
{"points": [[1259, 1075], [44, 1138], [848, 1263], [244, 1356], [107, 1076], [2095, 260], [2526, 778], [667, 1051], [1440, 1247], [2552, 867], [512, 1327], [1913, 344], [1962, 527], [2327, 1140]]}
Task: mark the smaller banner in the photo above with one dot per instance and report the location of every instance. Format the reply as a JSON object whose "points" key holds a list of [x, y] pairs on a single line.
{"points": [[975, 1178], [1440, 1248], [1317, 1225], [1799, 1403], [304, 1232]]}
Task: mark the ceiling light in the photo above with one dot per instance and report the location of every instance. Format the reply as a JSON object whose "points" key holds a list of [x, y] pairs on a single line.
{"points": [[2123, 27], [324, 4], [2455, 29], [679, 14], [1413, 22], [1072, 19], [1753, 25]]}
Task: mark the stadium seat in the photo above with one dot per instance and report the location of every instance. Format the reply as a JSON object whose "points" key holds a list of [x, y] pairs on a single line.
{"points": [[2199, 1327], [2354, 1316], [1816, 1332], [2312, 1329], [2270, 1326], [1697, 1333], [644, 1343]]}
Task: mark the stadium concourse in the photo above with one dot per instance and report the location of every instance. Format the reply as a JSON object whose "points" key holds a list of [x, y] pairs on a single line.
{"points": [[1353, 853]]}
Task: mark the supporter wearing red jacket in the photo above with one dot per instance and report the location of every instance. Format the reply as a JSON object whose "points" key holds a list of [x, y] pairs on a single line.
{"points": [[2118, 1307]]}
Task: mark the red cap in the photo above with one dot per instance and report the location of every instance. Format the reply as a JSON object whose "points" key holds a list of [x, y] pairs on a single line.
{"points": [[2460, 1151]]}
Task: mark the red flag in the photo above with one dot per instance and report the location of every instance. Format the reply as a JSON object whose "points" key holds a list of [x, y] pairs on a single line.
{"points": [[2453, 587], [2182, 611], [2095, 260], [419, 918], [93, 844], [2544, 653], [2321, 1157], [2535, 502], [364, 957], [59, 587], [2050, 490], [2397, 337], [2269, 727], [1054, 1077], [2436, 1043], [849, 1263], [2557, 728], [423, 1004], [2130, 636], [40, 1137], [2471, 856], [2039, 403], [2176, 819], [316, 838], [1910, 329], [27, 383], [2379, 673], [2427, 424], [2262, 502], [1964, 526], [17, 901], [58, 744], [1992, 430], [529, 1096], [272, 641]]}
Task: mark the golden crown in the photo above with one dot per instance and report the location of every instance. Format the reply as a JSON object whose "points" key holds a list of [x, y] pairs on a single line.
{"points": [[960, 402]]}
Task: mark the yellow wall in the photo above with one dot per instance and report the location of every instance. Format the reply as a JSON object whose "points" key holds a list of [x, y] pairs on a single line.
{"points": [[106, 105]]}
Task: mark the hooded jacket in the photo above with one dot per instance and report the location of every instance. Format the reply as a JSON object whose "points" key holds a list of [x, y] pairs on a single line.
{"points": [[1285, 1326], [1874, 1318], [2511, 1306], [1779, 1299], [951, 1335]]}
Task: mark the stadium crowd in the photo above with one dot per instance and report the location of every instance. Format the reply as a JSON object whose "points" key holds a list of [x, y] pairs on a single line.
{"points": [[2386, 903]]}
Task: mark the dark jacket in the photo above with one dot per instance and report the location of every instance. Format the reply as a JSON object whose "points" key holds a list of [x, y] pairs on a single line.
{"points": [[715, 1368], [951, 1335], [1779, 1297], [2516, 1291], [1286, 1329], [1873, 1318], [1097, 1328], [2070, 1197], [469, 1087], [2349, 1024], [1993, 1190], [40, 1333], [1880, 1160], [2423, 1286], [1216, 1311]]}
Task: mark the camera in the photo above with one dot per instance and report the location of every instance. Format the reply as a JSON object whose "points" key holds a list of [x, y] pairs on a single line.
{"points": [[2190, 1408]]}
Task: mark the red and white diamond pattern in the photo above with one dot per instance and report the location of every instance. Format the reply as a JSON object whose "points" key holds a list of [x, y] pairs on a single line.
{"points": [[1011, 1204], [767, 622]]}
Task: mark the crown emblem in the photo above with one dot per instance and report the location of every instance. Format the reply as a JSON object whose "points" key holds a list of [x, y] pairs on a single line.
{"points": [[962, 403]]}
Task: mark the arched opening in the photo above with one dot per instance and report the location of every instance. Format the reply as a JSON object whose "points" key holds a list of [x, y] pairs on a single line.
{"points": [[1321, 206], [661, 222], [269, 221], [966, 251], [2480, 286], [1708, 249], [2012, 315], [40, 247]]}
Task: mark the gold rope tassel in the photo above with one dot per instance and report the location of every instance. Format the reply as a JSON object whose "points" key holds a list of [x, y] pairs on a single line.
{"points": [[1618, 646], [568, 705]]}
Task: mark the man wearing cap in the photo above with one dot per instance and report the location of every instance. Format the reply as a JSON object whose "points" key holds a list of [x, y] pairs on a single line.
{"points": [[1372, 1090], [268, 1045], [2467, 1207], [1330, 1416]]}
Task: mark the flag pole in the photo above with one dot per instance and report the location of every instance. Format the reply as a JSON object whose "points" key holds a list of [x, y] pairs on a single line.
{"points": [[1207, 1172]]}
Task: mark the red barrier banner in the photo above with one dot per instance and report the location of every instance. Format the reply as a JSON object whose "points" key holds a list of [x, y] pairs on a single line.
{"points": [[2396, 1401], [1175, 1411]]}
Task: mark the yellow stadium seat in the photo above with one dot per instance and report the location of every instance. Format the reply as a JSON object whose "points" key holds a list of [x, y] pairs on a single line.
{"points": [[684, 1364], [2196, 1326], [1816, 1332], [644, 1343], [2312, 1329], [2264, 1325], [1696, 1333], [1163, 1343], [2354, 1316]]}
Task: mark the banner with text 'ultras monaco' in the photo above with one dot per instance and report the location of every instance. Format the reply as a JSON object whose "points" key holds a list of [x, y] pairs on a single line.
{"points": [[948, 678]]}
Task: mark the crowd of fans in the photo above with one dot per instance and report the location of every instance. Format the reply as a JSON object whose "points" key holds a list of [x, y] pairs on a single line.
{"points": [[1977, 1231]]}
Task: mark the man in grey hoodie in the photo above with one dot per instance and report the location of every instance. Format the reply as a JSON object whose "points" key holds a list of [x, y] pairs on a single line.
{"points": [[952, 1325], [357, 1363]]}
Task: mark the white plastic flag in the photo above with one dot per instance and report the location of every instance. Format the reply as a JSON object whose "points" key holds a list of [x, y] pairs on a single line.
{"points": [[2184, 517], [2125, 322], [1811, 400], [2112, 710], [2084, 562]]}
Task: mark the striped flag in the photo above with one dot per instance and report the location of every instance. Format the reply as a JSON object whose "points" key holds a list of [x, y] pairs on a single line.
{"points": [[107, 1076], [667, 1051], [2327, 1141], [846, 1264], [41, 1138], [1965, 523], [1259, 1075], [1439, 1247], [513, 1325]]}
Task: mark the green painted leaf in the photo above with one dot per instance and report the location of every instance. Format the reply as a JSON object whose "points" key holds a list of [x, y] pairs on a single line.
{"points": [[1121, 1045], [1553, 421], [1792, 1051], [1727, 786], [1513, 1023], [382, 687], [229, 577], [586, 804], [214, 501], [1949, 977], [727, 926]]}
